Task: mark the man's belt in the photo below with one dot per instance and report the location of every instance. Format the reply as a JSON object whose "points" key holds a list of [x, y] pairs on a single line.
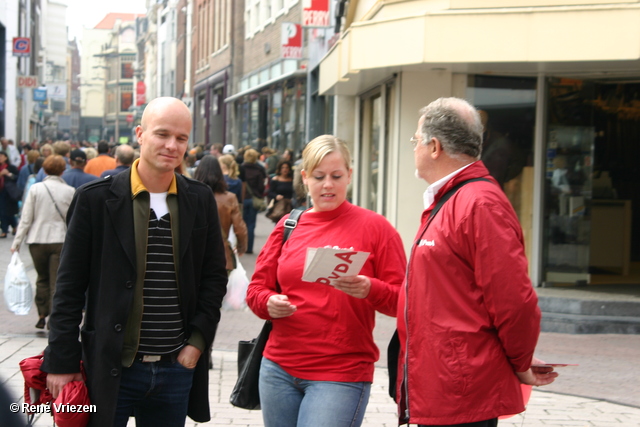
{"points": [[146, 358]]}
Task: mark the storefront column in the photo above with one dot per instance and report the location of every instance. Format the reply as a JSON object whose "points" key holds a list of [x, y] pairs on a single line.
{"points": [[539, 155]]}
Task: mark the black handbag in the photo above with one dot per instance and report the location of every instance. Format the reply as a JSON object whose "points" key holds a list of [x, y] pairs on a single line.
{"points": [[12, 189], [246, 392], [393, 349]]}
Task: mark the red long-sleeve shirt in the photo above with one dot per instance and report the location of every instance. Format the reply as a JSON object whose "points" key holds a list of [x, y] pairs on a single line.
{"points": [[329, 337]]}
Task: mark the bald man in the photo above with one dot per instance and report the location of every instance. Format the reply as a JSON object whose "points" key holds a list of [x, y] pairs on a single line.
{"points": [[152, 307], [124, 158]]}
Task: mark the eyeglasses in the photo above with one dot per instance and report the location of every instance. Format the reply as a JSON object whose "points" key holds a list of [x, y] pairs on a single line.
{"points": [[414, 141]]}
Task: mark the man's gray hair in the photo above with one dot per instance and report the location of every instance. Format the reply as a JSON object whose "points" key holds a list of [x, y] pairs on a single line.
{"points": [[456, 124], [125, 154]]}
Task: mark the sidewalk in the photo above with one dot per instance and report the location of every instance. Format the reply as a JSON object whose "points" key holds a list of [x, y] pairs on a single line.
{"points": [[545, 409], [608, 368]]}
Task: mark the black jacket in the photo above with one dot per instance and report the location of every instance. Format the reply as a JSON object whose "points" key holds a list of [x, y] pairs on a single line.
{"points": [[98, 257]]}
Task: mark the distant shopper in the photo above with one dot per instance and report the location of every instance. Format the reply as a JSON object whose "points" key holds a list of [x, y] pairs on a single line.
{"points": [[231, 172], [76, 176], [43, 228], [8, 204], [101, 163], [125, 155], [61, 148], [210, 172], [281, 191], [253, 177], [271, 160], [28, 169]]}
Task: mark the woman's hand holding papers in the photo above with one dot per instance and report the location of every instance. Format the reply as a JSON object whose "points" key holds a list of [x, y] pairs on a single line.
{"points": [[356, 286]]}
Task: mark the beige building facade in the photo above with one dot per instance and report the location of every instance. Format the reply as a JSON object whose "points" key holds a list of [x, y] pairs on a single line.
{"points": [[558, 83]]}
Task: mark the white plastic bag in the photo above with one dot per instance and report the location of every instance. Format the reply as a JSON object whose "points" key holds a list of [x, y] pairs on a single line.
{"points": [[18, 293], [236, 288]]}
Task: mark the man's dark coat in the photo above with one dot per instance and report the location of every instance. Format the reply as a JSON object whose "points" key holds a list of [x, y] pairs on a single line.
{"points": [[99, 258]]}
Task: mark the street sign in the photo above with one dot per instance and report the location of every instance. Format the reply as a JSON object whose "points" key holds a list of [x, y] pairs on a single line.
{"points": [[40, 95], [315, 13], [291, 41], [26, 82], [21, 46]]}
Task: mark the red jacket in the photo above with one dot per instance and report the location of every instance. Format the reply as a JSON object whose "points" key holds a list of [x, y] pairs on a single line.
{"points": [[472, 314]]}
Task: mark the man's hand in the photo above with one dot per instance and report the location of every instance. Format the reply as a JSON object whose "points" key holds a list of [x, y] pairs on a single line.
{"points": [[279, 306], [356, 286], [188, 356], [56, 382], [537, 375]]}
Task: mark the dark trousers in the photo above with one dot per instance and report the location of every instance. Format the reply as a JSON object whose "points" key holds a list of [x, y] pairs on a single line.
{"points": [[250, 216], [46, 259], [487, 423], [156, 393]]}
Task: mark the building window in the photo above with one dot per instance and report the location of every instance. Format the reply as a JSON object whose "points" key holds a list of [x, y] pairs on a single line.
{"points": [[126, 97]]}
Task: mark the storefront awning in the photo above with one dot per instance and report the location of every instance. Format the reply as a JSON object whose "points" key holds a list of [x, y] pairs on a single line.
{"points": [[258, 88], [420, 35]]}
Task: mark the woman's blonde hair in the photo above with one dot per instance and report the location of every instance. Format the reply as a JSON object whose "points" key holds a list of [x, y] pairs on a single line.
{"points": [[251, 156], [230, 163], [46, 147], [91, 153], [319, 147]]}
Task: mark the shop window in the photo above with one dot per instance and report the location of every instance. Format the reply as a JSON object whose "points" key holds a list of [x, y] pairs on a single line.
{"points": [[507, 108], [126, 99], [591, 183]]}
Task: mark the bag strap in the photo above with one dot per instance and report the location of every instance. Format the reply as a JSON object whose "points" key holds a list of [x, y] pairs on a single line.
{"points": [[291, 223], [448, 195], [55, 204]]}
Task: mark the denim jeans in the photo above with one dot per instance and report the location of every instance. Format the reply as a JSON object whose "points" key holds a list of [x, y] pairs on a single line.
{"points": [[287, 401], [249, 215], [156, 393]]}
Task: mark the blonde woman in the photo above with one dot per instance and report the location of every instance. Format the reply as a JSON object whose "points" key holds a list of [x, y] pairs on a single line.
{"points": [[231, 172], [317, 367]]}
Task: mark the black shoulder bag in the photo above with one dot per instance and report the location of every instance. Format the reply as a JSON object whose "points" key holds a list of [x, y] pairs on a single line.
{"points": [[245, 393], [393, 350]]}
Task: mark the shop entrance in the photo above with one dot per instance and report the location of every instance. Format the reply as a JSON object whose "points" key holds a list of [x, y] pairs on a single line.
{"points": [[591, 232]]}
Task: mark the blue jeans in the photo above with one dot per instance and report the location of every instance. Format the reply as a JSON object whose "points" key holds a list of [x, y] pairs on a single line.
{"points": [[249, 215], [156, 393], [287, 401]]}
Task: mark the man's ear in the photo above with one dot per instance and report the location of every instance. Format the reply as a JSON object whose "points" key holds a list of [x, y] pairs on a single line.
{"points": [[436, 148]]}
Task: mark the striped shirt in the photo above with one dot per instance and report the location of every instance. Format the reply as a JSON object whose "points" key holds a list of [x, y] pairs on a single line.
{"points": [[162, 327]]}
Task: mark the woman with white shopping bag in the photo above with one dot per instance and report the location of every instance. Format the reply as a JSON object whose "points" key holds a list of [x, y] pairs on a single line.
{"points": [[43, 226], [210, 173]]}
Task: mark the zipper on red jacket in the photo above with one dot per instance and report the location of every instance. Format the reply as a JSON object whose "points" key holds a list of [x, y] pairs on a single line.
{"points": [[406, 323]]}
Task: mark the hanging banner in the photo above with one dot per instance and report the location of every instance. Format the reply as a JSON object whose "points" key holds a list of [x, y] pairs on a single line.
{"points": [[141, 91], [315, 13], [291, 43]]}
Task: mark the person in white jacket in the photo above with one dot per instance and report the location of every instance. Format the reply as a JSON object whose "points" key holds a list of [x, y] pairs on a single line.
{"points": [[43, 225]]}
